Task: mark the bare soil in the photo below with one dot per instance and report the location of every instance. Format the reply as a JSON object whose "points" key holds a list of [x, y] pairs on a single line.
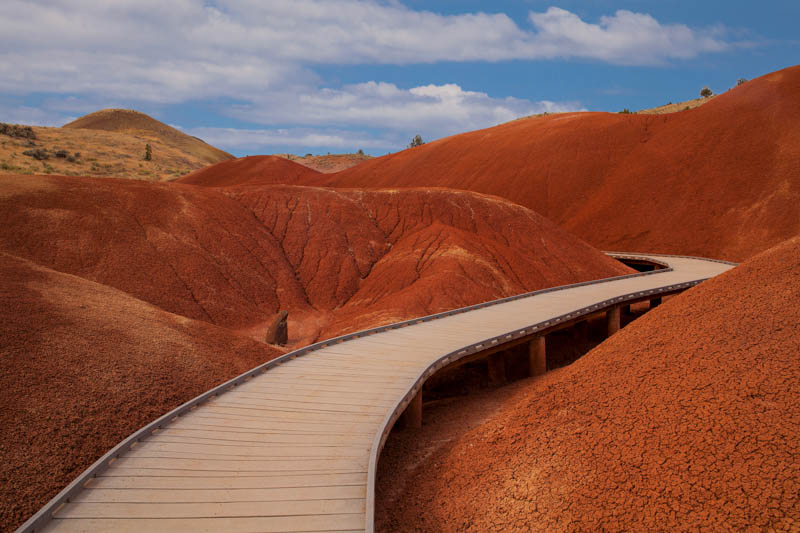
{"points": [[251, 170], [82, 366], [687, 419], [335, 259], [121, 299]]}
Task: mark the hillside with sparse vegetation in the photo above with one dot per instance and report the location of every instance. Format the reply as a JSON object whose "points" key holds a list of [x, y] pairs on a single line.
{"points": [[107, 143]]}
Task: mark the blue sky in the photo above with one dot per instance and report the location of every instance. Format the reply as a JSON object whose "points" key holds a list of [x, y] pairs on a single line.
{"points": [[336, 76]]}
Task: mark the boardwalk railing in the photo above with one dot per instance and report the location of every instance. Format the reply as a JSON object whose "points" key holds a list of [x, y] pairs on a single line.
{"points": [[43, 516]]}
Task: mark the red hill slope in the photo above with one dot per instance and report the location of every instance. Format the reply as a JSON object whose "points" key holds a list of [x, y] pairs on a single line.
{"points": [[95, 273], [235, 257], [375, 257], [82, 366], [685, 420], [720, 180], [253, 170]]}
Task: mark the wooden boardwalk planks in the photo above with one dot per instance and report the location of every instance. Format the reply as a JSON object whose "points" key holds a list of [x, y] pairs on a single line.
{"points": [[294, 449]]}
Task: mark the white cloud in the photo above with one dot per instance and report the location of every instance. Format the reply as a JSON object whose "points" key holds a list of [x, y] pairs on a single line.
{"points": [[263, 140], [185, 49], [435, 110], [431, 110], [263, 54], [33, 116], [626, 38]]}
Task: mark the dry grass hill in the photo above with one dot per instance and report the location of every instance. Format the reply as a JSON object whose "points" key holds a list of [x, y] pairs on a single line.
{"points": [[328, 163], [110, 142], [676, 107]]}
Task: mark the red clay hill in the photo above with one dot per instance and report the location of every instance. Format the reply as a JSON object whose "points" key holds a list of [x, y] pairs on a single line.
{"points": [[251, 170], [82, 366], [685, 420], [235, 257], [720, 180], [121, 299]]}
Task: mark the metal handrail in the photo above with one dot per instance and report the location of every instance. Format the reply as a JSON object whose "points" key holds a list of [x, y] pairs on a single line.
{"points": [[45, 514], [492, 342]]}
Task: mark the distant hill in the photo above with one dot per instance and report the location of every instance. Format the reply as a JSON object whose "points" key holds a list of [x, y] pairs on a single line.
{"points": [[251, 170], [133, 122], [674, 108], [111, 143], [328, 163]]}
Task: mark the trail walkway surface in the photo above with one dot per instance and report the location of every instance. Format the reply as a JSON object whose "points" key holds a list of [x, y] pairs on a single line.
{"points": [[293, 445]]}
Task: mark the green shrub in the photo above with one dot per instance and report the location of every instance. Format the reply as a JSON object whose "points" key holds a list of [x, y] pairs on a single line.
{"points": [[416, 141], [39, 154], [15, 130]]}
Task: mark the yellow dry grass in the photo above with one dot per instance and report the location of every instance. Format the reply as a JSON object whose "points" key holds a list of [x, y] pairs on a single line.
{"points": [[674, 108], [327, 163], [113, 146]]}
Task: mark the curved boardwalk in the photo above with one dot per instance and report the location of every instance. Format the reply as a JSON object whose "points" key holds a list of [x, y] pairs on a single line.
{"points": [[295, 448]]}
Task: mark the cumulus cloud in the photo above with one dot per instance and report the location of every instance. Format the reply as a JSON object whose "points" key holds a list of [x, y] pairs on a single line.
{"points": [[626, 38], [435, 109], [181, 49], [33, 116], [260, 140], [261, 58]]}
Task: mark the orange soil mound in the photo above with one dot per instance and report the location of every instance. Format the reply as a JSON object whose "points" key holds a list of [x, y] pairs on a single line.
{"points": [[82, 366], [235, 257], [188, 250], [130, 121], [687, 419], [719, 180], [376, 257], [252, 170]]}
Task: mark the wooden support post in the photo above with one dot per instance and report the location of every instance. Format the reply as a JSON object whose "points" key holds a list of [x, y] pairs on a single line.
{"points": [[497, 368], [612, 318], [655, 302], [537, 356], [412, 416]]}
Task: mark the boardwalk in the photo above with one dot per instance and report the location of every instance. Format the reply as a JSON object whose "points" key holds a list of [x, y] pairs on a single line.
{"points": [[295, 448]]}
